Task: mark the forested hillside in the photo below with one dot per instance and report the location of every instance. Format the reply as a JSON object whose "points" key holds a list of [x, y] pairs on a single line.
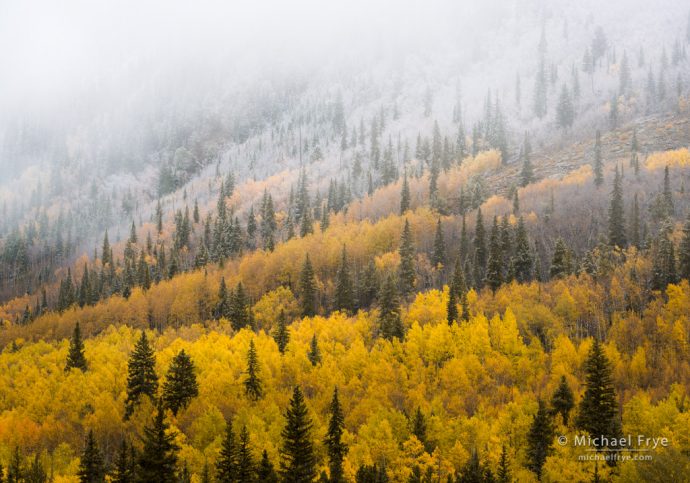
{"points": [[443, 263]]}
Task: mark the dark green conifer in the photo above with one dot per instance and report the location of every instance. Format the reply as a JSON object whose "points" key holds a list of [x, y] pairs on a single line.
{"points": [[406, 270], [617, 236], [314, 353], [227, 465], [266, 473], [494, 273], [158, 460], [281, 334], [75, 355], [298, 459], [598, 411], [253, 387], [390, 322], [307, 284], [141, 374], [335, 446], [563, 400], [344, 290], [438, 258], [91, 469], [539, 440], [180, 385]]}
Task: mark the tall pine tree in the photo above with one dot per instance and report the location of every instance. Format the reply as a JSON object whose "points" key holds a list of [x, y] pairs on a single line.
{"points": [[406, 270], [253, 387], [75, 355], [180, 385], [298, 458], [308, 294], [91, 469], [141, 374], [158, 460], [335, 446], [617, 236]]}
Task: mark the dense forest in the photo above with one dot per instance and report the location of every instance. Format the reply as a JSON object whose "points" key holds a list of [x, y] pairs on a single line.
{"points": [[365, 279]]}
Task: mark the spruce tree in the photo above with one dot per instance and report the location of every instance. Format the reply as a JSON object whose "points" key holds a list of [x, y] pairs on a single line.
{"points": [[617, 236], [494, 273], [390, 322], [598, 411], [438, 258], [180, 385], [503, 471], [539, 440], [75, 355], [668, 193], [125, 464], [419, 430], [563, 400], [335, 447], [598, 162], [635, 224], [247, 469], [344, 290], [91, 468], [227, 465], [560, 265], [35, 473], [565, 112], [406, 270], [158, 460], [479, 250], [266, 473], [314, 354], [527, 173], [308, 289], [15, 468], [253, 387], [298, 459], [223, 307], [522, 263], [452, 314], [404, 196], [281, 334], [684, 252], [141, 374]]}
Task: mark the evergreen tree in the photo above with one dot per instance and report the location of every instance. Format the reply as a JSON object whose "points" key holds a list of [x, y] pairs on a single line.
{"points": [[390, 322], [15, 468], [253, 387], [281, 334], [494, 276], [522, 263], [371, 474], [684, 252], [141, 374], [75, 355], [598, 411], [616, 215], [335, 447], [560, 265], [527, 173], [91, 468], [452, 314], [223, 308], [227, 465], [308, 289], [240, 309], [563, 400], [247, 469], [539, 440], [344, 290], [266, 473], [180, 385], [598, 162], [667, 193], [406, 270], [419, 430], [314, 354], [635, 224], [438, 258], [503, 472], [479, 250], [404, 196], [298, 459], [36, 473], [663, 260], [158, 459], [124, 470], [565, 112]]}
